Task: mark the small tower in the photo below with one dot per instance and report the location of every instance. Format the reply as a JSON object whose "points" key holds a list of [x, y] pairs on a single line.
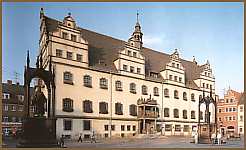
{"points": [[137, 36], [69, 21]]}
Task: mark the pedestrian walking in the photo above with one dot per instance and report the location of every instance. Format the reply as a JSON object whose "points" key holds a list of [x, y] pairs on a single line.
{"points": [[62, 141], [213, 138], [80, 138], [93, 138], [219, 138]]}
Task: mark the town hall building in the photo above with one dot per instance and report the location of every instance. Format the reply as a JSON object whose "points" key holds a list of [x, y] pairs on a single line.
{"points": [[120, 88]]}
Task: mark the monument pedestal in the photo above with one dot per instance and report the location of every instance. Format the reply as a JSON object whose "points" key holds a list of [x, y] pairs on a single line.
{"points": [[38, 132], [204, 137]]}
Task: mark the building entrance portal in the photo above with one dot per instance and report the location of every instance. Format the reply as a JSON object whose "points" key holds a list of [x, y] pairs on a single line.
{"points": [[147, 115]]}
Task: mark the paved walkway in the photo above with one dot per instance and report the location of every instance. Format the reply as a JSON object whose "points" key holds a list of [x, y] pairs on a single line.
{"points": [[163, 142], [160, 142]]}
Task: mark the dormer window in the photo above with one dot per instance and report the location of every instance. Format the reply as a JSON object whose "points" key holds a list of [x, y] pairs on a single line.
{"points": [[125, 67], [209, 74], [173, 64], [170, 77], [129, 53], [64, 35], [205, 73], [175, 78], [69, 55], [138, 70], [177, 65], [73, 37], [134, 54], [131, 69]]}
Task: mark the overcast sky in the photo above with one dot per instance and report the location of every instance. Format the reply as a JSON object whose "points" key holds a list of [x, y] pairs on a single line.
{"points": [[212, 31]]}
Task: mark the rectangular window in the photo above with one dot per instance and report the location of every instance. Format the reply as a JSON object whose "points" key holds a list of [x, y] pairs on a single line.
{"points": [[118, 108], [73, 37], [234, 118], [186, 128], [234, 109], [69, 55], [103, 108], [87, 124], [128, 128], [5, 107], [131, 69], [134, 128], [241, 129], [168, 127], [177, 127], [230, 109], [67, 124], [112, 127], [79, 58], [21, 108], [122, 127], [106, 127], [138, 70], [226, 110], [175, 78], [241, 118], [58, 53], [129, 53], [170, 77], [241, 108], [106, 135], [125, 67], [87, 106], [64, 35], [219, 110], [134, 54], [180, 79]]}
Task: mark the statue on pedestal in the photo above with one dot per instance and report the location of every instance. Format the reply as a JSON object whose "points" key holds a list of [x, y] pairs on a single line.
{"points": [[39, 101]]}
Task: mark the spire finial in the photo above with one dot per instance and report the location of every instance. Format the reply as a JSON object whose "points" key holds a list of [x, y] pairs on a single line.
{"points": [[28, 59], [137, 16], [41, 14]]}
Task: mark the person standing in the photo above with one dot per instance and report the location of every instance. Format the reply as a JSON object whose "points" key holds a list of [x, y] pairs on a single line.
{"points": [[213, 138], [80, 138], [219, 138], [93, 138], [62, 141], [196, 138]]}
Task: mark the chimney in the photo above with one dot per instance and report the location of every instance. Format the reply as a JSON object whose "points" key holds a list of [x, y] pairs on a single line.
{"points": [[9, 82]]}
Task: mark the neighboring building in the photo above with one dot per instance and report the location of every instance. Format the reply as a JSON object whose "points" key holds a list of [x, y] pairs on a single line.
{"points": [[12, 107], [228, 112], [241, 114], [120, 88]]}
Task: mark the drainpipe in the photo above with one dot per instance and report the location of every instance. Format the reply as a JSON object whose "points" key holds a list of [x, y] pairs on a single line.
{"points": [[110, 120], [162, 109]]}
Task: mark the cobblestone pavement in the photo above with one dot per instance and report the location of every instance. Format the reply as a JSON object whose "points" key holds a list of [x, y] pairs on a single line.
{"points": [[161, 142]]}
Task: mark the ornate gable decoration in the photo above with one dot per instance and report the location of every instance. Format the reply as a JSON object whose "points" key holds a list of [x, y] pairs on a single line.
{"points": [[175, 56]]}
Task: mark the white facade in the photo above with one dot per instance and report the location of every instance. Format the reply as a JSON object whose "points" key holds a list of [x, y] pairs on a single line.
{"points": [[53, 43]]}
